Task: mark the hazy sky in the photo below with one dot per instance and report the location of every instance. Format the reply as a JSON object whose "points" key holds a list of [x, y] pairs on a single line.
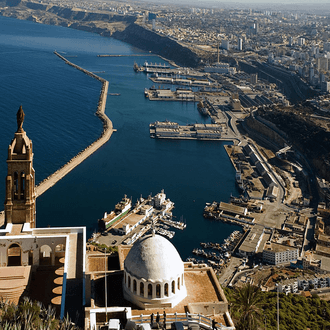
{"points": [[308, 6]]}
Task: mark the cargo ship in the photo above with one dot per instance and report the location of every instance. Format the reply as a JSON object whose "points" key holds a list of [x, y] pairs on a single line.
{"points": [[121, 209]]}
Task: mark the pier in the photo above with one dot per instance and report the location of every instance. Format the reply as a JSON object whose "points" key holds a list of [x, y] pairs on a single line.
{"points": [[173, 80], [166, 94], [172, 130], [82, 155]]}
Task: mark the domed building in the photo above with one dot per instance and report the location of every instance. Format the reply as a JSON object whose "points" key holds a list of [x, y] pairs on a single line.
{"points": [[154, 274]]}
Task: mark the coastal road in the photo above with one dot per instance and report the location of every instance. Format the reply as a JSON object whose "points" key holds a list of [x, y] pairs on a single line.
{"points": [[227, 273]]}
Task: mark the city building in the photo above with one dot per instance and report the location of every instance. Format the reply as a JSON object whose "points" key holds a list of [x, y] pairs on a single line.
{"points": [[225, 44], [325, 86], [251, 244], [254, 78], [275, 254], [240, 44], [220, 68]]}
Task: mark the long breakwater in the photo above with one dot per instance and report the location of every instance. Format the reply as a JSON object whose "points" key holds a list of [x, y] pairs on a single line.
{"points": [[82, 155]]}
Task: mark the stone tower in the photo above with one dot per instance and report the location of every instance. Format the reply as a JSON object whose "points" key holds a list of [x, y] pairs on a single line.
{"points": [[20, 181]]}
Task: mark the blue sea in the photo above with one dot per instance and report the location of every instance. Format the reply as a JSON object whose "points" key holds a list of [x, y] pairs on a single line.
{"points": [[60, 103]]}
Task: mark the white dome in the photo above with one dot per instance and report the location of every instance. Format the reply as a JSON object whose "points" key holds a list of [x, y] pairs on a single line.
{"points": [[154, 258]]}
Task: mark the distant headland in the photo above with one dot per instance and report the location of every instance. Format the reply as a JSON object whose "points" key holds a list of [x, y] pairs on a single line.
{"points": [[127, 28]]}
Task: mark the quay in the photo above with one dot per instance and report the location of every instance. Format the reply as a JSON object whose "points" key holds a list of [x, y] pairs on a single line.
{"points": [[228, 213], [81, 156], [182, 82], [172, 130], [169, 71], [181, 94], [152, 213], [124, 55]]}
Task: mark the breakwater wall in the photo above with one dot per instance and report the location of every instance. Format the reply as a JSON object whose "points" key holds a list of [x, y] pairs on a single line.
{"points": [[82, 155]]}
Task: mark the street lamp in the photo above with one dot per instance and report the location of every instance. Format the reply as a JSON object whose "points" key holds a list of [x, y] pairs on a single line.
{"points": [[105, 284], [278, 309]]}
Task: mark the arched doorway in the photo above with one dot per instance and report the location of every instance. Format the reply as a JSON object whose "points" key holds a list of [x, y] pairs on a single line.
{"points": [[45, 255], [14, 254]]}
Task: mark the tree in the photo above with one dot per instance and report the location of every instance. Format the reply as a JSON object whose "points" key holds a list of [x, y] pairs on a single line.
{"points": [[246, 304], [28, 315]]}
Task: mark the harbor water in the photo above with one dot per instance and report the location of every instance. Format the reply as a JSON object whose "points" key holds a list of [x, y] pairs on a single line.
{"points": [[60, 103]]}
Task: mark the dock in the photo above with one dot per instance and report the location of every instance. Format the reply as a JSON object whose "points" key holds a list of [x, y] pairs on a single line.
{"points": [[182, 82], [172, 130], [152, 213], [168, 71], [166, 94], [125, 55]]}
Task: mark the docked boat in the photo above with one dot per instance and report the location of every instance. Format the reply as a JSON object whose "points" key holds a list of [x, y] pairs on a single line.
{"points": [[136, 67], [156, 65], [202, 109], [121, 209]]}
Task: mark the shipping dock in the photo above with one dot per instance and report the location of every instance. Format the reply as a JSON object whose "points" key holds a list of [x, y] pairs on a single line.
{"points": [[125, 224], [166, 70], [172, 130], [166, 94]]}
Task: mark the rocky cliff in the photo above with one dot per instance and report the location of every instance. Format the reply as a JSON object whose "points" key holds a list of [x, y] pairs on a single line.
{"points": [[147, 40], [309, 137]]}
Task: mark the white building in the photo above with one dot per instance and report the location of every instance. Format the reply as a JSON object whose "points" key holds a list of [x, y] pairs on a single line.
{"points": [[288, 286], [220, 68], [240, 44], [154, 274], [275, 254]]}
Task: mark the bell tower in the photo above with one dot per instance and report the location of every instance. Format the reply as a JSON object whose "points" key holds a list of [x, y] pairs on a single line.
{"points": [[20, 181]]}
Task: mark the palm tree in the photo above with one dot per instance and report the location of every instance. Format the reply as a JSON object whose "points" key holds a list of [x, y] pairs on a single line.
{"points": [[246, 304]]}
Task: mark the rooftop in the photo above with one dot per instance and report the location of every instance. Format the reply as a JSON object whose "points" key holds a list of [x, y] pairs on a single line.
{"points": [[275, 247], [203, 293]]}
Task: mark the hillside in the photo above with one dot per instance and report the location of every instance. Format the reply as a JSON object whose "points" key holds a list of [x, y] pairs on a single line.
{"points": [[121, 27]]}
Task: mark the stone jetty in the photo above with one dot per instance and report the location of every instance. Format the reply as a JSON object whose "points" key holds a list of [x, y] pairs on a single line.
{"points": [[81, 156]]}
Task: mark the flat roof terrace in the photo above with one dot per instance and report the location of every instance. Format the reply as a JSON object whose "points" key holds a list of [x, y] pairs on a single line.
{"points": [[130, 220], [275, 247], [203, 292], [204, 295]]}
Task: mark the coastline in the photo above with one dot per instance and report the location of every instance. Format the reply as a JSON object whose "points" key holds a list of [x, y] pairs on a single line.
{"points": [[52, 179], [120, 27]]}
